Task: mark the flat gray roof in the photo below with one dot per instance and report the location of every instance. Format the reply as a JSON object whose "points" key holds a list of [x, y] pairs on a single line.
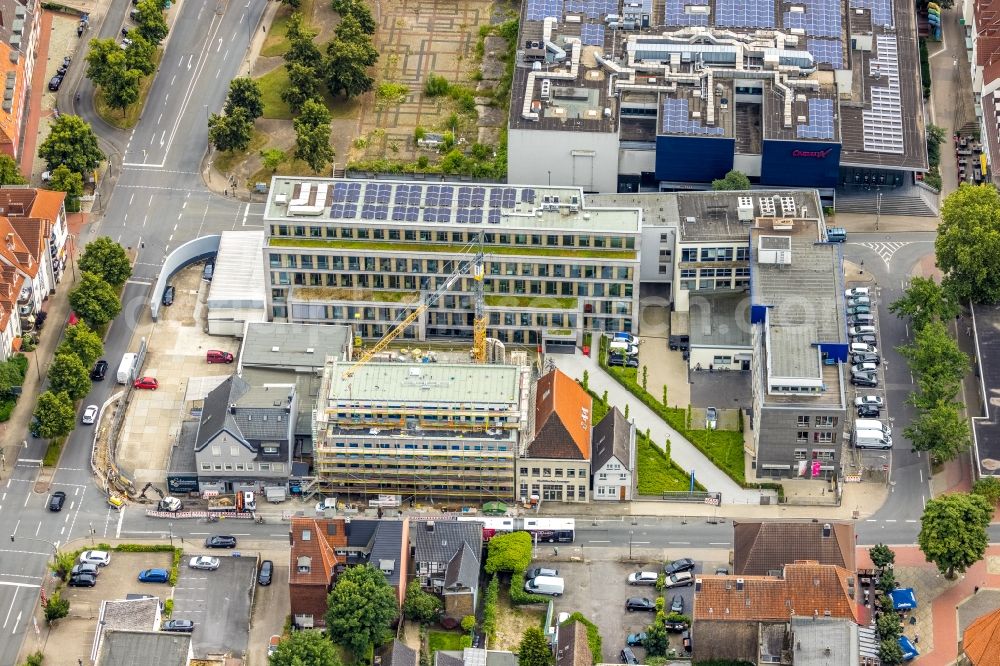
{"points": [[304, 201], [719, 319], [821, 640], [150, 648], [804, 297], [286, 345], [658, 209], [238, 280], [399, 383]]}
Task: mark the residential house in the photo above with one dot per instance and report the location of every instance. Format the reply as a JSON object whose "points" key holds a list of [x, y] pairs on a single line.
{"points": [[747, 618], [572, 647], [323, 547], [39, 218], [397, 653], [245, 436], [125, 615], [11, 285], [20, 24], [613, 446], [474, 657], [980, 641], [555, 464], [764, 548], [446, 558], [149, 648]]}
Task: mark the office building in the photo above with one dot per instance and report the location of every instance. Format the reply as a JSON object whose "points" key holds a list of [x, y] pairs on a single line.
{"points": [[676, 94], [420, 431], [365, 254]]}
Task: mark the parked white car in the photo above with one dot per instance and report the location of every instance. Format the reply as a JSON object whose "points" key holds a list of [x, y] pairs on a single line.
{"points": [[101, 558], [643, 578], [204, 562], [873, 400]]}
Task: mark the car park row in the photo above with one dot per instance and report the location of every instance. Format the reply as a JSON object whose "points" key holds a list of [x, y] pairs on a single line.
{"points": [[866, 365]]}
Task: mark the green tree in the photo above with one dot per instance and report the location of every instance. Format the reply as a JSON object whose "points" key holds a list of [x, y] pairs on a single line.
{"points": [[887, 581], [508, 553], [881, 555], [988, 487], [124, 90], [272, 158], [953, 531], [312, 135], [889, 653], [420, 606], [70, 182], [533, 649], [436, 85], [244, 93], [349, 30], [10, 376], [55, 415], [940, 429], [888, 626], [63, 563], [81, 341], [359, 11], [230, 132], [94, 300], [657, 640], [294, 4], [139, 54], [968, 243], [305, 648], [152, 24], [346, 67], [56, 608], [34, 659], [302, 86], [68, 373], [106, 259], [105, 60], [360, 608], [72, 142], [468, 623], [301, 47], [10, 173], [924, 301], [734, 180], [937, 361]]}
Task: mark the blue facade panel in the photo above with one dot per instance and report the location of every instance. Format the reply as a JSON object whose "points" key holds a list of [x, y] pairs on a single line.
{"points": [[694, 159], [799, 163], [834, 350]]}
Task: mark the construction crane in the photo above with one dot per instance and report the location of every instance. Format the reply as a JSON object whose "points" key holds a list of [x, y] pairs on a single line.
{"points": [[473, 267]]}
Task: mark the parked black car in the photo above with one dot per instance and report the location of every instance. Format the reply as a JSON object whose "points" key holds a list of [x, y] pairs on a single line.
{"points": [[628, 657], [683, 564], [168, 295], [266, 571], [624, 361], [640, 604], [185, 626], [100, 369], [869, 381], [83, 580], [866, 358], [55, 82], [220, 541], [868, 412]]}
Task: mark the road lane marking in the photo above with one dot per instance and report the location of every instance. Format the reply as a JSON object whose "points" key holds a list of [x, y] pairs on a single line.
{"points": [[159, 119], [220, 45], [718, 543], [16, 525], [11, 609], [678, 543], [598, 542], [121, 516], [131, 198]]}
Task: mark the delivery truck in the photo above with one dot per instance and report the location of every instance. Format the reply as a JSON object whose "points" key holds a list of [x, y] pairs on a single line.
{"points": [[125, 368]]}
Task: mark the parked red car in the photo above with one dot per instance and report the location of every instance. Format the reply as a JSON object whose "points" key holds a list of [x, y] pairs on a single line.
{"points": [[146, 383]]}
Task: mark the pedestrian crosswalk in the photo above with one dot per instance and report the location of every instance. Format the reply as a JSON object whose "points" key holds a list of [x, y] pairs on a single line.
{"points": [[884, 250]]}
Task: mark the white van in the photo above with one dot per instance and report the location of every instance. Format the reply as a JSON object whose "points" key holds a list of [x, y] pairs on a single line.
{"points": [[550, 585], [857, 291], [872, 424], [622, 346], [872, 439]]}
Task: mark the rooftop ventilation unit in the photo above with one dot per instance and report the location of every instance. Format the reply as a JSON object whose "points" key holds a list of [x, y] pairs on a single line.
{"points": [[744, 209], [788, 206]]}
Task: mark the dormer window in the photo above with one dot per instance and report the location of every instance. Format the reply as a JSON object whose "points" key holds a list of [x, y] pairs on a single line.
{"points": [[304, 565], [270, 448]]}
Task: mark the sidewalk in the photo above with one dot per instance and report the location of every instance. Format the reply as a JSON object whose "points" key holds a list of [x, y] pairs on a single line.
{"points": [[859, 223], [681, 450]]}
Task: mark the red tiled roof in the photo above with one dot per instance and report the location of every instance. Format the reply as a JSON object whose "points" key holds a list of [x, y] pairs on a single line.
{"points": [[311, 538], [47, 204], [806, 589], [981, 641], [14, 251], [11, 121], [559, 398]]}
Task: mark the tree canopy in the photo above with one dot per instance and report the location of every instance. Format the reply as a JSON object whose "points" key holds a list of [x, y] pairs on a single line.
{"points": [[152, 24], [94, 300], [244, 93], [139, 54], [67, 373], [940, 429], [968, 243], [305, 648], [420, 606], [72, 142], [953, 531], [55, 415], [734, 180], [509, 552], [360, 609], [989, 488], [935, 358], [10, 173], [924, 301], [70, 182], [312, 135], [230, 132], [81, 340], [534, 649], [302, 86], [881, 555], [106, 259]]}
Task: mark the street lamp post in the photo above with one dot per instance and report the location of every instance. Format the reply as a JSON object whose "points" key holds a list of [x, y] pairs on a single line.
{"points": [[630, 544], [171, 526]]}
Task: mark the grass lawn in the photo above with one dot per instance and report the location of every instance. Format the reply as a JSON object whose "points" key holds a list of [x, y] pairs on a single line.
{"points": [[51, 457], [128, 120], [225, 160], [509, 300], [271, 86], [444, 640], [276, 43], [456, 249], [656, 473]]}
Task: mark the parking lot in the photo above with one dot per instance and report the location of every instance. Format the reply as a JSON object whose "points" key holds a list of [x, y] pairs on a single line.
{"points": [[598, 588], [218, 602], [176, 358]]}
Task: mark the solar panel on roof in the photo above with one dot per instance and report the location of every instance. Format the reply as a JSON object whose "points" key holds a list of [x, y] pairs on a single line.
{"points": [[820, 121], [336, 210], [676, 16], [429, 215], [339, 191], [494, 217], [495, 196], [826, 51], [881, 10], [820, 18], [677, 120], [350, 211], [411, 216], [528, 195], [539, 10], [592, 34], [476, 216], [883, 121], [744, 13]]}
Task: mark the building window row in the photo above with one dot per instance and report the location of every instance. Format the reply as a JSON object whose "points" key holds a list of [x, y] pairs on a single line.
{"points": [[429, 236], [424, 447], [817, 454]]}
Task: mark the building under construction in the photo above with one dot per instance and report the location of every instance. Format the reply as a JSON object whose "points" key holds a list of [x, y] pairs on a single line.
{"points": [[423, 431]]}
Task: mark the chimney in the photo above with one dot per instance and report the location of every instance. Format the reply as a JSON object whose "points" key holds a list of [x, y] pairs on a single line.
{"points": [[429, 525], [739, 583], [232, 408], [347, 527], [10, 241], [826, 530]]}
